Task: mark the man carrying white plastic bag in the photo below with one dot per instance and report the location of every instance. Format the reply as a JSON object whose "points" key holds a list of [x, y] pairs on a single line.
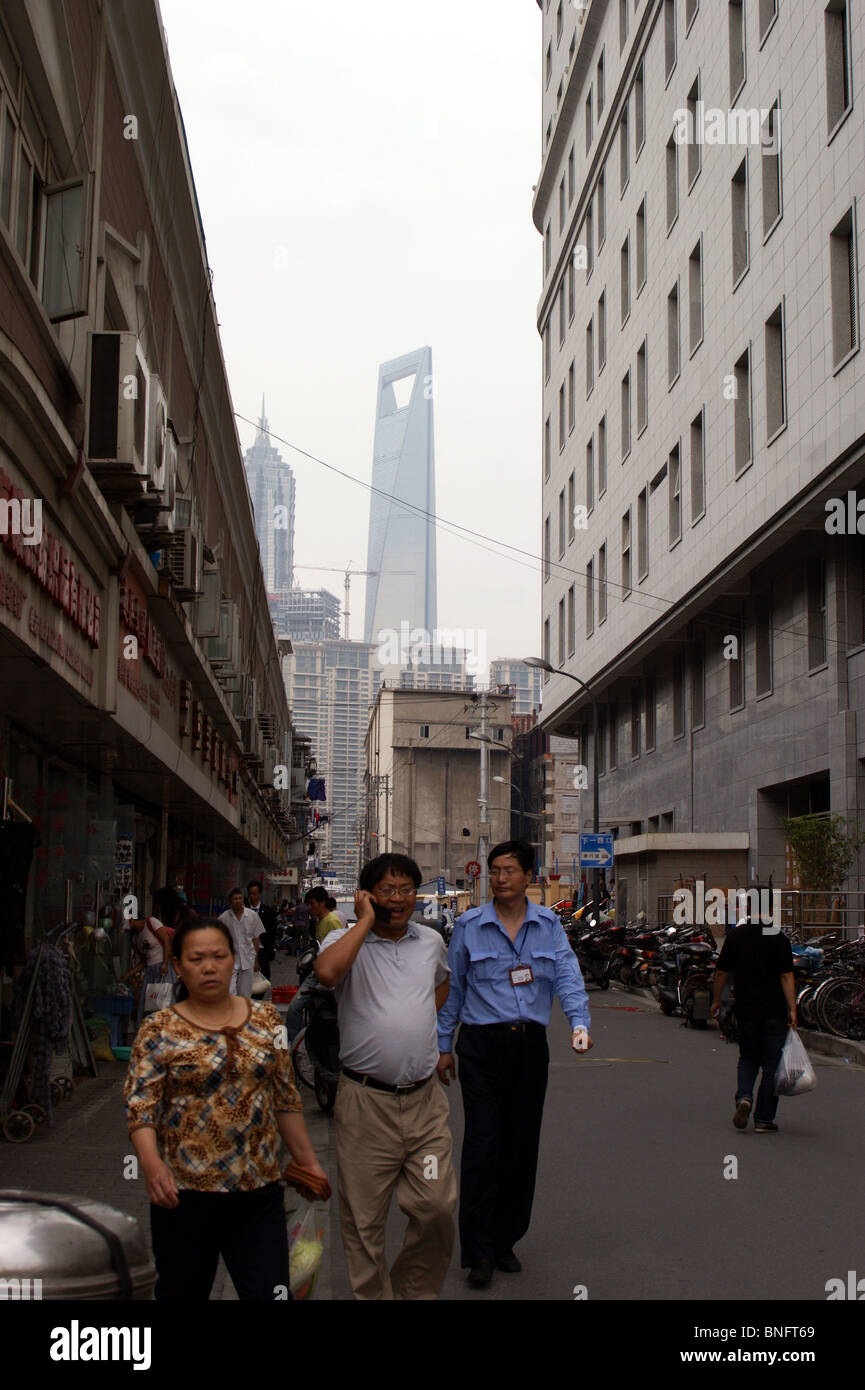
{"points": [[761, 963]]}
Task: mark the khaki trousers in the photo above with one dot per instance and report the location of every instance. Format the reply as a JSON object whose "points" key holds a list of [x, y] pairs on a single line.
{"points": [[386, 1141]]}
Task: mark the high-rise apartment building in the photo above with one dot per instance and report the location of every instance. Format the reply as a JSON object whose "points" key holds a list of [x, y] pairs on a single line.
{"points": [[272, 489], [703, 389], [401, 549], [525, 683], [331, 685]]}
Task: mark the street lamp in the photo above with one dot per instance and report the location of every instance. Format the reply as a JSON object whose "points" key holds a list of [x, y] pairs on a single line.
{"points": [[543, 665]]}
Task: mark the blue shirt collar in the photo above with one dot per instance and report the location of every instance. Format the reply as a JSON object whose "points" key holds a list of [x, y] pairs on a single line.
{"points": [[488, 913]]}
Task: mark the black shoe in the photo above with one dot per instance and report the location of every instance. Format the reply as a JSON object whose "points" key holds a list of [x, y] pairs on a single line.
{"points": [[743, 1110], [481, 1275], [509, 1264], [765, 1127]]}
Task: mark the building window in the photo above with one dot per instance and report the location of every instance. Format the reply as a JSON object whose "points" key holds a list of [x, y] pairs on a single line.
{"points": [[626, 415], [651, 719], [623, 24], [599, 84], [839, 84], [590, 241], [548, 249], [673, 335], [625, 274], [548, 353], [589, 121], [547, 549], [695, 149], [643, 534], [624, 153], [559, 23], [641, 245], [602, 584], [695, 297], [736, 661], [572, 290], [678, 695], [561, 659], [763, 642], [742, 372], [590, 598], [548, 65], [843, 279], [572, 406], [672, 182], [736, 33], [572, 620], [626, 554], [776, 404], [635, 721], [771, 162], [423, 731], [691, 8], [590, 356], [571, 176], [639, 110], [698, 685], [562, 202], [768, 11], [561, 523], [590, 474], [602, 331], [816, 612], [674, 483], [698, 472], [561, 298], [561, 417], [669, 37], [739, 210], [614, 737], [572, 502], [547, 654], [602, 455], [547, 447], [642, 388], [602, 208]]}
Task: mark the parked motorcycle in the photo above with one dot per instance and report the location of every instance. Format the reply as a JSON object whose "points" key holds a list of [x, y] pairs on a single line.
{"points": [[684, 983], [315, 1050]]}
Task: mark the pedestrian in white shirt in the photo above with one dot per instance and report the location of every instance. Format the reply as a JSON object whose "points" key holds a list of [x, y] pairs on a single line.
{"points": [[246, 928]]}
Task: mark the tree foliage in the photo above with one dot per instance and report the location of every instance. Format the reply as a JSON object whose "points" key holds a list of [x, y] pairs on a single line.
{"points": [[825, 848]]}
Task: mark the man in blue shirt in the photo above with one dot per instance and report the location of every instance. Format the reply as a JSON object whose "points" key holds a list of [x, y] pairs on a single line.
{"points": [[507, 960]]}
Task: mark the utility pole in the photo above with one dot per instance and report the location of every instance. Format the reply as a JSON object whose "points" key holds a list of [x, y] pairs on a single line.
{"points": [[483, 799]]}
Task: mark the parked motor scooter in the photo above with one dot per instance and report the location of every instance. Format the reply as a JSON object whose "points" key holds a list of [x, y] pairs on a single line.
{"points": [[683, 984]]}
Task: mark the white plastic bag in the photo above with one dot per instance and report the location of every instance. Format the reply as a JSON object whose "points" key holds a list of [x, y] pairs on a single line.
{"points": [[305, 1251], [260, 984], [158, 995], [795, 1075]]}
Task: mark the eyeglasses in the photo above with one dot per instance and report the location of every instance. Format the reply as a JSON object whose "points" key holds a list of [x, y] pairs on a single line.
{"points": [[504, 873], [396, 892]]}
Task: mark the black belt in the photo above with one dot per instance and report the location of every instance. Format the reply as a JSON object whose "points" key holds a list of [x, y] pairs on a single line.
{"points": [[530, 1026], [364, 1080]]}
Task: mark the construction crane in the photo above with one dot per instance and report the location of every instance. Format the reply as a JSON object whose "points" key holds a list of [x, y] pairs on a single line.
{"points": [[348, 572]]}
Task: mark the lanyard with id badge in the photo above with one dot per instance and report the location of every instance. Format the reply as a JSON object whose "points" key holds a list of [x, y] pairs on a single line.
{"points": [[521, 974]]}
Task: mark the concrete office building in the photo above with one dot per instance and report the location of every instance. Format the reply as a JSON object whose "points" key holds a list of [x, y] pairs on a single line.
{"points": [[309, 615], [331, 685], [401, 549], [272, 489], [703, 399], [525, 683], [423, 773]]}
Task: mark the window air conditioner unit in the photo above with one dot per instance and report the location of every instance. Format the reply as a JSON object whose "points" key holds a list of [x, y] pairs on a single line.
{"points": [[118, 422], [205, 616], [183, 556], [268, 770], [223, 649], [250, 740]]}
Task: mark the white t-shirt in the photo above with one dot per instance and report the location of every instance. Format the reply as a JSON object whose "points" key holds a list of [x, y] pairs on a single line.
{"points": [[244, 930]]}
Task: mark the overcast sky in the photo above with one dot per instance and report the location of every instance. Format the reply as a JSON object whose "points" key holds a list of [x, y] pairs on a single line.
{"points": [[365, 178]]}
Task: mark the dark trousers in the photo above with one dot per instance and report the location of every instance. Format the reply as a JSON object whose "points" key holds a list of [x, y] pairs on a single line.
{"points": [[761, 1042], [503, 1076], [247, 1228]]}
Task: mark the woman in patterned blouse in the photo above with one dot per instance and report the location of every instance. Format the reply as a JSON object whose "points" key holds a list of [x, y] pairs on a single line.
{"points": [[209, 1092]]}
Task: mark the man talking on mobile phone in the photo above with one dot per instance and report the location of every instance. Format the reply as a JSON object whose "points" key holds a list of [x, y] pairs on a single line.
{"points": [[390, 976]]}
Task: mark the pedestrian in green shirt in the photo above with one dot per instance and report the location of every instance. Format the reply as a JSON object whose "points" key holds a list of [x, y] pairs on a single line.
{"points": [[325, 920]]}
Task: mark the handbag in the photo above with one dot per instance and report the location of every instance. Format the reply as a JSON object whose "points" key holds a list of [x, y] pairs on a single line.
{"points": [[260, 985], [158, 995], [795, 1075]]}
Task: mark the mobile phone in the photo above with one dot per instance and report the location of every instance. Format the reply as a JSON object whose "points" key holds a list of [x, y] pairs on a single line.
{"points": [[382, 914]]}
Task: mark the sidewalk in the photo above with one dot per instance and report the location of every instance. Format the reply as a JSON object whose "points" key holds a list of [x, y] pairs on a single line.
{"points": [[86, 1152]]}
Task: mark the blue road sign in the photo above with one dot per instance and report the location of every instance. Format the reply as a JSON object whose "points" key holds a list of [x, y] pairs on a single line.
{"points": [[596, 851], [441, 886]]}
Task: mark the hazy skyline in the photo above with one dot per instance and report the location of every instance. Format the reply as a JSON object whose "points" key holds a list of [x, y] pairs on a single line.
{"points": [[365, 180]]}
